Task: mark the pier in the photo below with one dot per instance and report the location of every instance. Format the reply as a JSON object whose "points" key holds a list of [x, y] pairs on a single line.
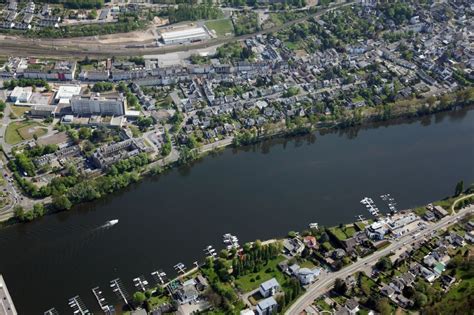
{"points": [[119, 289], [104, 306], [78, 306], [371, 207]]}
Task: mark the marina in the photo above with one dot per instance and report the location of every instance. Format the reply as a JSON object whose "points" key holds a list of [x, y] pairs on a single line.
{"points": [[371, 207], [78, 306], [258, 192], [104, 306], [231, 241]]}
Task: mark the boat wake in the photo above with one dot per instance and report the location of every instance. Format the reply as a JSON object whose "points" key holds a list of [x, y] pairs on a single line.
{"points": [[109, 224]]}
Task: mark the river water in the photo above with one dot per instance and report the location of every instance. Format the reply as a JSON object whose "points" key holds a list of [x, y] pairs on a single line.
{"points": [[258, 192]]}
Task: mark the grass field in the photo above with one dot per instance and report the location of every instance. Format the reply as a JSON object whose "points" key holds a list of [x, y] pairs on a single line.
{"points": [[249, 282], [23, 130], [19, 110], [221, 27]]}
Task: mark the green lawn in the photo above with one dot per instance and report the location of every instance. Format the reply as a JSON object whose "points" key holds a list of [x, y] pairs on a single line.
{"points": [[307, 264], [155, 301], [292, 46], [360, 226], [19, 110], [221, 27], [338, 233], [420, 211], [343, 233], [23, 130], [249, 282], [369, 282], [349, 231], [322, 305]]}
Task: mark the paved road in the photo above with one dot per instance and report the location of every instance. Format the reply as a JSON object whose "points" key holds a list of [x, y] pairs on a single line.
{"points": [[321, 286], [20, 46]]}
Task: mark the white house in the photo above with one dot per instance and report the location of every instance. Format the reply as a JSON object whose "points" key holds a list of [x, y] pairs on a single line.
{"points": [[269, 288], [267, 306], [308, 276]]}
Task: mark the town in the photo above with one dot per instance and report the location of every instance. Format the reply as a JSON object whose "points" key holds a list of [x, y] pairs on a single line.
{"points": [[78, 124]]}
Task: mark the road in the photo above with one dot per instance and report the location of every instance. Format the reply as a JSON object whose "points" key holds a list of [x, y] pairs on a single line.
{"points": [[322, 285], [89, 46]]}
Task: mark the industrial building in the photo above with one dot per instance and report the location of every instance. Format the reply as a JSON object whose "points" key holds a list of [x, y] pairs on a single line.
{"points": [[95, 104], [21, 94], [184, 36], [66, 92]]}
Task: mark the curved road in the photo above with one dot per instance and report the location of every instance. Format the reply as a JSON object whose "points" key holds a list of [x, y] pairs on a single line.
{"points": [[322, 285], [85, 46]]}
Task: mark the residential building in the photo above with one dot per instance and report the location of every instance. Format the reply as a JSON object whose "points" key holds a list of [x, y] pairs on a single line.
{"points": [[308, 276], [95, 104], [267, 306], [439, 211], [376, 231], [269, 287], [352, 306]]}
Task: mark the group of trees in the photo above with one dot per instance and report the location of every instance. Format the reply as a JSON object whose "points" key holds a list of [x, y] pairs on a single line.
{"points": [[166, 148], [103, 86], [397, 11], [11, 84], [73, 188], [90, 189], [220, 296], [246, 23], [234, 51], [126, 23], [26, 216], [78, 4], [254, 258], [186, 12], [292, 289]]}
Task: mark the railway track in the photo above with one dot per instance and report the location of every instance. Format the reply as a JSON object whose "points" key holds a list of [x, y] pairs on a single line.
{"points": [[80, 48]]}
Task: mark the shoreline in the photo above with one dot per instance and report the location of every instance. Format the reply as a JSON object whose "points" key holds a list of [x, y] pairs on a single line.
{"points": [[157, 167]]}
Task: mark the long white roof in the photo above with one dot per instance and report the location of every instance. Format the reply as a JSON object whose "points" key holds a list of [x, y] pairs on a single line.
{"points": [[185, 33]]}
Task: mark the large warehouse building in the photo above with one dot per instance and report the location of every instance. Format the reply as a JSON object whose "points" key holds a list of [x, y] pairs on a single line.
{"points": [[183, 36]]}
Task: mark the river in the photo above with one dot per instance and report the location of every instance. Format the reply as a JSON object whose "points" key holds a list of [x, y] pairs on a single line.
{"points": [[257, 192]]}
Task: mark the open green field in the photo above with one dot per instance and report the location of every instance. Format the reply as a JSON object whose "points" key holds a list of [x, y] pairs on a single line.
{"points": [[18, 111], [342, 233], [23, 130], [221, 27], [249, 282]]}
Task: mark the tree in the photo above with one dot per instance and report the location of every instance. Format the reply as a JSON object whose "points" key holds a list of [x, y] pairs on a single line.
{"points": [[408, 292], [340, 286], [19, 212], [383, 306], [85, 133], [459, 188], [420, 300], [139, 298], [384, 264], [61, 202]]}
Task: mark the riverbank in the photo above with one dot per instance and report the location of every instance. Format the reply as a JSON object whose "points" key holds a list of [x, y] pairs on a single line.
{"points": [[239, 287], [394, 113]]}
